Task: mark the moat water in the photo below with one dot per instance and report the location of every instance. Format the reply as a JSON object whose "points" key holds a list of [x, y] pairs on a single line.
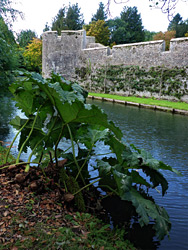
{"points": [[165, 136]]}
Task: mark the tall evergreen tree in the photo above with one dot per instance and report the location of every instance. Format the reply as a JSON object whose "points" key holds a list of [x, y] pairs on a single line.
{"points": [[59, 21], [74, 19], [134, 23], [68, 19], [177, 20], [177, 24], [6, 33], [119, 32], [47, 27], [128, 28], [101, 14]]}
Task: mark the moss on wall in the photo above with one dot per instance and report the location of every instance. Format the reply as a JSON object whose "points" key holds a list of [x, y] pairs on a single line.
{"points": [[134, 80]]}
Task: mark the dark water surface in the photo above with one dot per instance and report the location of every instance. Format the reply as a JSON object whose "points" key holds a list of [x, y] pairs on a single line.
{"points": [[165, 136]]}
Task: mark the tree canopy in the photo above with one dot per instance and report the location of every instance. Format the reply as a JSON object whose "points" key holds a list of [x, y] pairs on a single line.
{"points": [[178, 25], [166, 36], [134, 23], [100, 31], [8, 54], [101, 14], [68, 19], [128, 28], [25, 37], [33, 55]]}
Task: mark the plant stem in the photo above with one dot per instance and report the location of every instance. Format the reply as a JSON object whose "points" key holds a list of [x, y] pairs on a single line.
{"points": [[18, 158], [29, 159], [8, 152], [40, 159], [48, 134], [86, 186], [79, 172], [111, 189], [85, 157], [56, 145], [17, 164], [74, 156]]}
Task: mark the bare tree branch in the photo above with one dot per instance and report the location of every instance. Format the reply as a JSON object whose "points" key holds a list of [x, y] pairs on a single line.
{"points": [[8, 12], [167, 6]]}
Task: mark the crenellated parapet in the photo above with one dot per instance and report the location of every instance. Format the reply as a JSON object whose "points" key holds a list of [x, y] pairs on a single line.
{"points": [[60, 53], [74, 49], [76, 56]]}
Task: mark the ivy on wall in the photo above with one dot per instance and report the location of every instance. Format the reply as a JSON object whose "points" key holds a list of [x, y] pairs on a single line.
{"points": [[158, 81]]}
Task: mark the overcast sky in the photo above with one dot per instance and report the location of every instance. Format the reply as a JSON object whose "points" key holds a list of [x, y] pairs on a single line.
{"points": [[39, 12]]}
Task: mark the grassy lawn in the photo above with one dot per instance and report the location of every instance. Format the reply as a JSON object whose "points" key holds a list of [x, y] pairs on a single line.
{"points": [[150, 101]]}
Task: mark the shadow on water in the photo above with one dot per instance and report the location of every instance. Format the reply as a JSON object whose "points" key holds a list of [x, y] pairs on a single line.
{"points": [[123, 214]]}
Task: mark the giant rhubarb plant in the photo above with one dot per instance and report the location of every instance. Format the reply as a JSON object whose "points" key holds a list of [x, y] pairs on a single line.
{"points": [[59, 124]]}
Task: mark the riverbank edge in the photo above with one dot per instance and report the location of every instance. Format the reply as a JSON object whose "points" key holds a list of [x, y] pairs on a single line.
{"points": [[75, 224], [140, 105]]}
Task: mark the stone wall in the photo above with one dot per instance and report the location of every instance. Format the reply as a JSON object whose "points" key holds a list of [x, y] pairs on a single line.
{"points": [[76, 56], [62, 53]]}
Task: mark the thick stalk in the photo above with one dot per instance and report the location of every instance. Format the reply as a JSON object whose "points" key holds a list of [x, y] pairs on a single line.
{"points": [[48, 134], [111, 189], [40, 159], [29, 159], [79, 172], [32, 128], [86, 186], [85, 157], [56, 145], [74, 155], [8, 152], [17, 164]]}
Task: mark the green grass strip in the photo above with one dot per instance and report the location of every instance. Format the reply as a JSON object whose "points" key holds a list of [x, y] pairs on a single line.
{"points": [[142, 100]]}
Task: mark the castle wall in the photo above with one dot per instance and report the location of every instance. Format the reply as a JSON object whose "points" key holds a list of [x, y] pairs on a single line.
{"points": [[61, 53], [74, 52]]}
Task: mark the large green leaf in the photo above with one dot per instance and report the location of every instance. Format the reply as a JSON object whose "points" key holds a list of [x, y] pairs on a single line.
{"points": [[78, 112], [24, 101], [64, 96], [90, 134], [147, 159], [147, 209], [138, 179], [156, 178], [123, 181], [105, 173], [17, 122], [116, 146]]}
